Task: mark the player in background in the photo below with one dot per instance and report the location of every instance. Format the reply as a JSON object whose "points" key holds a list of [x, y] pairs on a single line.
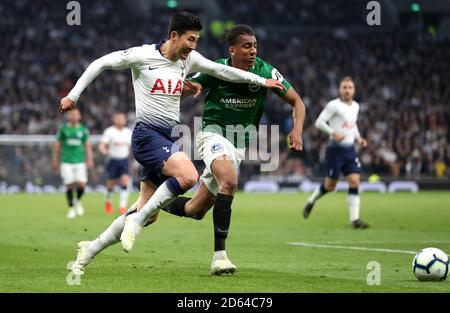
{"points": [[115, 145], [338, 120], [72, 151], [231, 104], [158, 72]]}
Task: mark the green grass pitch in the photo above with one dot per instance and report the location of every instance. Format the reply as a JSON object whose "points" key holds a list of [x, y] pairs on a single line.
{"points": [[174, 254]]}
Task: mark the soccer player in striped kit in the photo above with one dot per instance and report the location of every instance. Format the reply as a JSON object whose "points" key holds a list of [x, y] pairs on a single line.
{"points": [[338, 120], [115, 145]]}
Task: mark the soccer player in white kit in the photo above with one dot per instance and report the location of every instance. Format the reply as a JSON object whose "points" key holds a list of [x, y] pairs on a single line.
{"points": [[115, 145], [158, 72], [338, 120]]}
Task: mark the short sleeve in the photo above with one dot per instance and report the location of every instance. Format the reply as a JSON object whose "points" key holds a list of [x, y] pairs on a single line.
{"points": [[60, 134], [105, 137], [85, 135], [273, 73]]}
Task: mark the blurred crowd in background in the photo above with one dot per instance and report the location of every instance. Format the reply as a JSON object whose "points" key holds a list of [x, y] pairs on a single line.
{"points": [[401, 81]]}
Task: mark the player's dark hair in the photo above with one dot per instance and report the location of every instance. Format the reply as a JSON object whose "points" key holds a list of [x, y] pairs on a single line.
{"points": [[347, 78], [182, 22], [232, 35]]}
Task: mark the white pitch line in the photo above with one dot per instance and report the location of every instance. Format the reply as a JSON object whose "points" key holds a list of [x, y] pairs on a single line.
{"points": [[316, 245]]}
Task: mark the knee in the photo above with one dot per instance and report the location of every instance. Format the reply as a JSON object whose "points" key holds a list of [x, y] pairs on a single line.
{"points": [[330, 187], [353, 185], [228, 185], [188, 180]]}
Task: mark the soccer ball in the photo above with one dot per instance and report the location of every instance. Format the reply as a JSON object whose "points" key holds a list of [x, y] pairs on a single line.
{"points": [[430, 264]]}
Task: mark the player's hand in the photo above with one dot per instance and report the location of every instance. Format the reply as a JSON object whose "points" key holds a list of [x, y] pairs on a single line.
{"points": [[105, 152], [192, 88], [273, 83], [338, 136], [66, 105], [90, 163], [295, 140], [55, 164], [362, 142]]}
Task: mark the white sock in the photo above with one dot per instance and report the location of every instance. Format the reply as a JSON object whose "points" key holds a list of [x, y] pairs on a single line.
{"points": [[316, 195], [158, 200], [353, 207], [109, 237], [123, 196], [222, 254]]}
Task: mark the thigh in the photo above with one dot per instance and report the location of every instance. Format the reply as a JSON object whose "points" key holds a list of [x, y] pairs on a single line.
{"points": [[332, 163], [123, 168], [110, 170], [81, 173], [352, 165], [207, 179], [211, 146], [178, 164], [222, 168], [151, 149], [67, 173], [114, 169]]}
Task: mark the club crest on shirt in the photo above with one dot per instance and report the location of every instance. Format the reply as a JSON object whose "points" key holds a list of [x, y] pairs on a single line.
{"points": [[253, 87], [217, 147], [79, 134]]}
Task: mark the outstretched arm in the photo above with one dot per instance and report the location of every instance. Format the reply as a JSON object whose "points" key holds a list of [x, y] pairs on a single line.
{"points": [[298, 114], [115, 61], [229, 73]]}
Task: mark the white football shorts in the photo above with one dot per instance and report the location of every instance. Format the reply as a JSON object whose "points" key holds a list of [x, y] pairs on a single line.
{"points": [[211, 146], [73, 173]]}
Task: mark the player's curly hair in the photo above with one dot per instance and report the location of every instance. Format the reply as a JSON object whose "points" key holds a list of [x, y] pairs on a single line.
{"points": [[182, 22], [232, 35]]}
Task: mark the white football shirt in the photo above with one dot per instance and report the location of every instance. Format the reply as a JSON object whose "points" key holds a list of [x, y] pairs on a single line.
{"points": [[118, 141], [340, 117], [157, 81]]}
